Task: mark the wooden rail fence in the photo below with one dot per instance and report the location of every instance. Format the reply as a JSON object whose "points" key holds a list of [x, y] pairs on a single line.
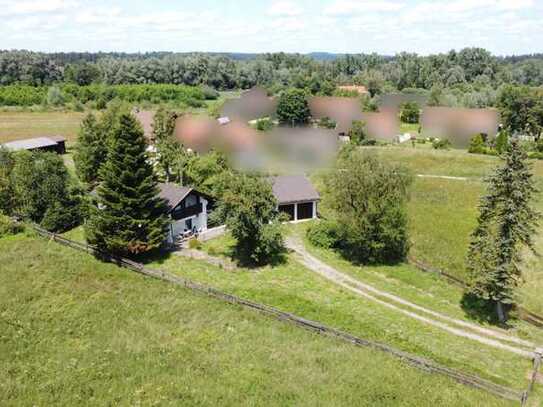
{"points": [[522, 313], [413, 360]]}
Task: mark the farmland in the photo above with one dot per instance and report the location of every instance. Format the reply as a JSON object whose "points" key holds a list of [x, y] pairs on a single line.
{"points": [[75, 330], [16, 125]]}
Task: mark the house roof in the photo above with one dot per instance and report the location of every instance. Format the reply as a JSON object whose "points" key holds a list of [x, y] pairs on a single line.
{"points": [[173, 194], [32, 143], [289, 189]]}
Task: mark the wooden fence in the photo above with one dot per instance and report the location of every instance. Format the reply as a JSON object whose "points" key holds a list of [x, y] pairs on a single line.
{"points": [[413, 360], [522, 313]]}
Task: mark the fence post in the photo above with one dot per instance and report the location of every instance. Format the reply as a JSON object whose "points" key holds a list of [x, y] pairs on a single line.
{"points": [[537, 363]]}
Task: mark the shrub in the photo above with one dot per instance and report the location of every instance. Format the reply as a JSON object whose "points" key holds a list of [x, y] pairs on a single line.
{"points": [[209, 93], [264, 124], [194, 244], [8, 226], [441, 144], [410, 112], [324, 233], [327, 123], [477, 145], [55, 97], [539, 145]]}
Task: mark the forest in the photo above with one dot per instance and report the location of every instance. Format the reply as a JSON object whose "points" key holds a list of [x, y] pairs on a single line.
{"points": [[471, 77]]}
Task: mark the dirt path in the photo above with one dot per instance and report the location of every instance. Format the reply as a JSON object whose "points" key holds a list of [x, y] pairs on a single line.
{"points": [[443, 177], [464, 329]]}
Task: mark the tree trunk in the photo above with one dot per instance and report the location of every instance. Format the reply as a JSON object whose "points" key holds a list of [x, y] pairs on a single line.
{"points": [[502, 317]]}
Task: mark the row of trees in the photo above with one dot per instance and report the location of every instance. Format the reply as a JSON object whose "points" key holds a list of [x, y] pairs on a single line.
{"points": [[100, 95], [405, 70]]}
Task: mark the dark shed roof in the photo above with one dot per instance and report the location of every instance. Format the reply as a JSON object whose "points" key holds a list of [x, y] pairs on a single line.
{"points": [[32, 143], [173, 193], [293, 188]]}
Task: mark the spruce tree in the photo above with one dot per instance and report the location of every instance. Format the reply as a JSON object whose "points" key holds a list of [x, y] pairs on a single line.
{"points": [[506, 223], [91, 150], [129, 217]]}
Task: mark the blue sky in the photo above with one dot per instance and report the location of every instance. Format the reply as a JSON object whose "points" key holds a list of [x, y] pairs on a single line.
{"points": [[388, 26]]}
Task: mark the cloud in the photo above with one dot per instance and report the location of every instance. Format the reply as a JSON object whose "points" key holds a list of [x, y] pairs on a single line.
{"points": [[351, 7], [31, 7], [285, 9]]}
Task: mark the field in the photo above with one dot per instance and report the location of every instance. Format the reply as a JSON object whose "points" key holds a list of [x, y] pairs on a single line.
{"points": [[76, 331], [18, 125]]}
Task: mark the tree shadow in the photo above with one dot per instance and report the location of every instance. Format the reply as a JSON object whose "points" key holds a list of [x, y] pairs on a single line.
{"points": [[482, 311], [244, 260]]}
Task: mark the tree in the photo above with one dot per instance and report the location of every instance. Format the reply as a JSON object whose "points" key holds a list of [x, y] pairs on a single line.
{"points": [[129, 217], [368, 199], [42, 191], [249, 209], [357, 133], [410, 112], [293, 107], [91, 149], [171, 157], [7, 161], [206, 170], [506, 223], [521, 110]]}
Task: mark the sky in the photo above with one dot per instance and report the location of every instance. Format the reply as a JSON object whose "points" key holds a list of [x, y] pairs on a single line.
{"points": [[504, 27]]}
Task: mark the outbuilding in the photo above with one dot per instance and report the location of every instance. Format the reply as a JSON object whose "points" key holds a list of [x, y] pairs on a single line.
{"points": [[56, 144], [296, 197]]}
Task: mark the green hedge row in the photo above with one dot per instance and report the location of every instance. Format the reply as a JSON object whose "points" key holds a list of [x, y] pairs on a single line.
{"points": [[22, 95]]}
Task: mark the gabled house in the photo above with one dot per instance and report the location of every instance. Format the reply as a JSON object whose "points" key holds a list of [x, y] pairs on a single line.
{"points": [[187, 209], [295, 196]]}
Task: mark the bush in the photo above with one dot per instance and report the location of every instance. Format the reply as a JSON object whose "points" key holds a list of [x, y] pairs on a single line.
{"points": [[441, 144], [539, 145], [327, 123], [194, 244], [55, 97], [325, 234], [477, 145], [8, 226], [209, 93], [410, 112], [264, 124], [60, 217]]}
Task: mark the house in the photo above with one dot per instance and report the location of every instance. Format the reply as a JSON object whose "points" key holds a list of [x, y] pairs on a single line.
{"points": [[187, 209], [295, 196], [55, 144], [459, 125]]}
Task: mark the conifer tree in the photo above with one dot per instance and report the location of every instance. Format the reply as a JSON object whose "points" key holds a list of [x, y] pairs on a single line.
{"points": [[90, 151], [129, 217], [507, 222]]}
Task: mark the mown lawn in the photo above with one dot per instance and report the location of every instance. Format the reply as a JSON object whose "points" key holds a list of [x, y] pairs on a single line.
{"points": [[21, 125], [293, 288], [77, 331]]}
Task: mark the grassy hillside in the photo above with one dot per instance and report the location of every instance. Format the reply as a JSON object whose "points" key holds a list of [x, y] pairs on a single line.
{"points": [[443, 212], [76, 331]]}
